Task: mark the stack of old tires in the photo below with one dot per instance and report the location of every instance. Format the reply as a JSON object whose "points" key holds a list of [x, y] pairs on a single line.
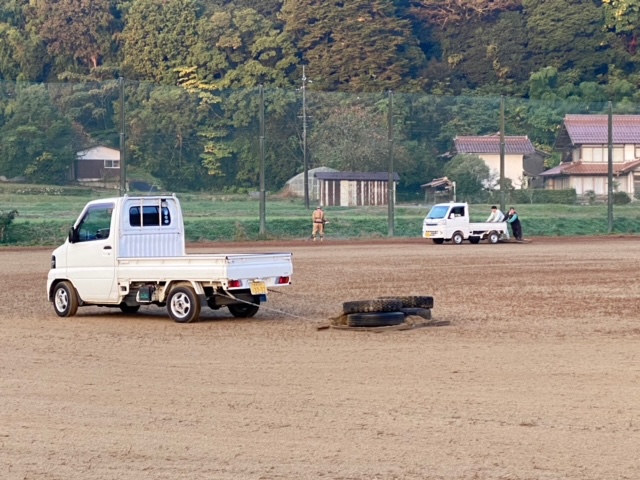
{"points": [[386, 311]]}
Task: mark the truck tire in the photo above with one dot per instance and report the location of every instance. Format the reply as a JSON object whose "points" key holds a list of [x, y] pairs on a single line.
{"points": [[474, 240], [65, 299], [420, 312], [412, 301], [129, 309], [438, 241], [183, 305], [457, 238], [376, 319], [368, 306], [243, 310], [493, 237]]}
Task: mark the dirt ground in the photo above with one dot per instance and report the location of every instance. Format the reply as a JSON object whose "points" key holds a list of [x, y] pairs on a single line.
{"points": [[537, 377]]}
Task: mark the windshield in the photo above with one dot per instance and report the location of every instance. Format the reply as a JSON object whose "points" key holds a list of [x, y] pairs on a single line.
{"points": [[438, 211]]}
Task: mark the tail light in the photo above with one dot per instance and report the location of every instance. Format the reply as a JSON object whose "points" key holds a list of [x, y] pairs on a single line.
{"points": [[283, 280], [235, 283]]}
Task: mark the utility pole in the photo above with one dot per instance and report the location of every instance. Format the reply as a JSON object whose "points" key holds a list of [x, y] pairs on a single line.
{"points": [[304, 138], [502, 149], [391, 181], [263, 195], [123, 165], [610, 170]]}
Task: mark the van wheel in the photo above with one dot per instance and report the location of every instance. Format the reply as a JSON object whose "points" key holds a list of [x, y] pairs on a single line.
{"points": [[438, 241], [474, 240], [65, 299], [183, 305], [493, 237], [457, 238]]}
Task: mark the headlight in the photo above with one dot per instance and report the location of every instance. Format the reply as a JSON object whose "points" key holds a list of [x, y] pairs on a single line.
{"points": [[53, 261]]}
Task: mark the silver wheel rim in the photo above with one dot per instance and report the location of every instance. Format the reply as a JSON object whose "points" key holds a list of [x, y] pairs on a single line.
{"points": [[181, 305], [61, 300]]}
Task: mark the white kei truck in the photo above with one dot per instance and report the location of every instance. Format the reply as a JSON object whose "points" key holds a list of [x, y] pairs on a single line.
{"points": [[127, 251], [450, 222]]}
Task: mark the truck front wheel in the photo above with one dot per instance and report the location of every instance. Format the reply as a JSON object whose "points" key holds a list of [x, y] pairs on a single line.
{"points": [[183, 305], [457, 238], [65, 299]]}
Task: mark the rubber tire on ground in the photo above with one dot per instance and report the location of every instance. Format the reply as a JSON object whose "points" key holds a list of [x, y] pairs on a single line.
{"points": [[474, 240], [375, 319], [129, 309], [368, 306], [493, 237], [457, 238], [183, 305], [243, 310], [420, 312], [438, 241], [65, 299], [413, 301]]}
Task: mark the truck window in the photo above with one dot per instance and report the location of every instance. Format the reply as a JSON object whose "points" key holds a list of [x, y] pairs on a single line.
{"points": [[438, 211], [96, 223], [152, 216], [457, 212]]}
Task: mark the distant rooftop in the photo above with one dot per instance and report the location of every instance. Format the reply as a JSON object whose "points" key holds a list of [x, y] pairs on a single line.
{"points": [[491, 144]]}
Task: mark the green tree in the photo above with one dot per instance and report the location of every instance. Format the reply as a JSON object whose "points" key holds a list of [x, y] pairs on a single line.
{"points": [[36, 140], [358, 46], [158, 38], [78, 29], [470, 173]]}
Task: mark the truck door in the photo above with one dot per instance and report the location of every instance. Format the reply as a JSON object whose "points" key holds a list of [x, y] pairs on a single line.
{"points": [[458, 221], [91, 256]]}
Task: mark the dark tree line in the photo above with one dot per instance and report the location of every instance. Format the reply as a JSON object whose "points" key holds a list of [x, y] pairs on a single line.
{"points": [[193, 70]]}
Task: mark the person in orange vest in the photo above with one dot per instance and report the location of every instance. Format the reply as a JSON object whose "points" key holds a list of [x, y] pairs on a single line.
{"points": [[318, 223]]}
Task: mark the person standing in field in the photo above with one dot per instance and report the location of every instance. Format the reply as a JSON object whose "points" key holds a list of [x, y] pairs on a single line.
{"points": [[318, 223], [514, 221]]}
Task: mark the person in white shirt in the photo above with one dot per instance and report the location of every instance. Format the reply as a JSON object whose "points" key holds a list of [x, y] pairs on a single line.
{"points": [[497, 216]]}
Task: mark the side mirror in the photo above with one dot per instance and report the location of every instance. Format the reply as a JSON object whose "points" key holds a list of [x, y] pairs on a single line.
{"points": [[73, 235]]}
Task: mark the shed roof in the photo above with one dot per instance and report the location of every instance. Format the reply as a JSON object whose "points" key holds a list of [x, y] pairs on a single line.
{"points": [[491, 144], [363, 176], [587, 129], [437, 182], [591, 169], [99, 153]]}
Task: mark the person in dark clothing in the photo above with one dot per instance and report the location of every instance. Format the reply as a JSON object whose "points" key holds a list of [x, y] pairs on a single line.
{"points": [[514, 221]]}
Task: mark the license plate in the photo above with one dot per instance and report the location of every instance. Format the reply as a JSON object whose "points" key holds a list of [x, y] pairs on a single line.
{"points": [[427, 234], [258, 288]]}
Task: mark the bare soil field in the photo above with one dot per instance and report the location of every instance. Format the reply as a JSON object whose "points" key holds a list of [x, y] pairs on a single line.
{"points": [[536, 377]]}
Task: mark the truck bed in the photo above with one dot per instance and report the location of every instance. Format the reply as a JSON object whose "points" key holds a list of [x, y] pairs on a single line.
{"points": [[206, 267]]}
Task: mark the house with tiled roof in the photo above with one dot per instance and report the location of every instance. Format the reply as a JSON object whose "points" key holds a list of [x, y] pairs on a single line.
{"points": [[584, 145], [522, 162]]}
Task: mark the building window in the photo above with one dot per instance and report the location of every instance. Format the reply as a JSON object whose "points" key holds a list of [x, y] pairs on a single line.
{"points": [[112, 164]]}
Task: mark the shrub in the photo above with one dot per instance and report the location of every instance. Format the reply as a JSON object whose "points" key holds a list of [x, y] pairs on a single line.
{"points": [[6, 218], [621, 198]]}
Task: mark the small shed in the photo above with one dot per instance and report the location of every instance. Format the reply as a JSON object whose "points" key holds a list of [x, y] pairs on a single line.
{"points": [[439, 190], [350, 189], [295, 185], [97, 164]]}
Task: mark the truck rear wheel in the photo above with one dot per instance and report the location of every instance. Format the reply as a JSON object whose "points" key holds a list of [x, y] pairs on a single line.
{"points": [[65, 299], [243, 310], [457, 238], [474, 240], [493, 237], [129, 309], [183, 305]]}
